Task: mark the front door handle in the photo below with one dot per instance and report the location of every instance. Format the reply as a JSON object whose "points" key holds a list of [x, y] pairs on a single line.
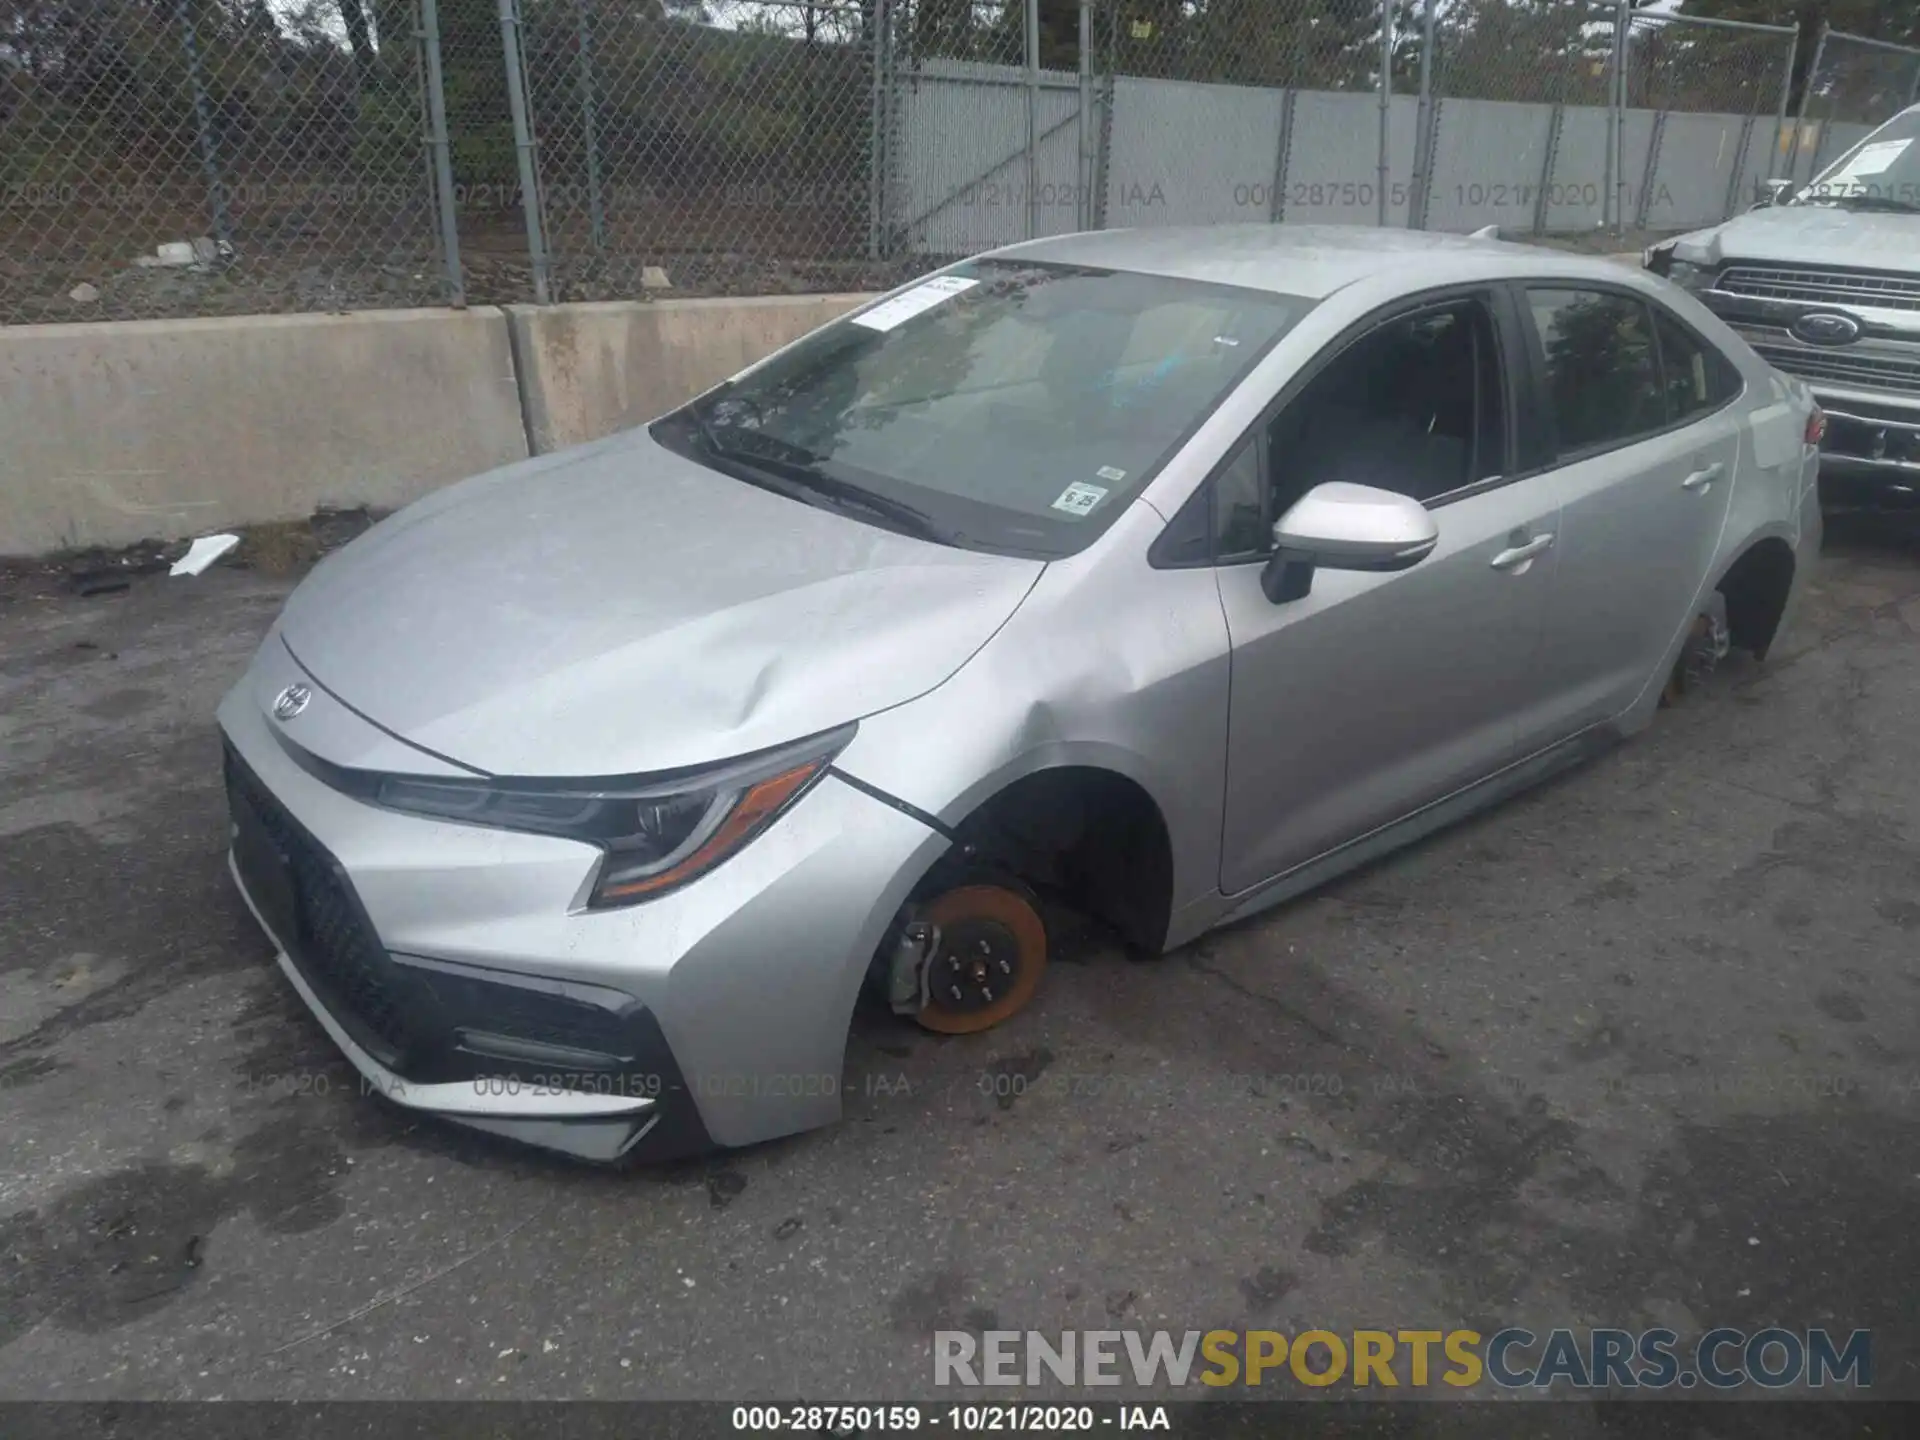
{"points": [[1701, 479], [1520, 554]]}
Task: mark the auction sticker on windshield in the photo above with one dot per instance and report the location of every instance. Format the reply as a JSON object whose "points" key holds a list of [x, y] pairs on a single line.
{"points": [[1874, 159], [889, 314], [1079, 499]]}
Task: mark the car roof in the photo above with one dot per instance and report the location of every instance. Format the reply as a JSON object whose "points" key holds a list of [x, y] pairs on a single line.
{"points": [[1308, 260]]}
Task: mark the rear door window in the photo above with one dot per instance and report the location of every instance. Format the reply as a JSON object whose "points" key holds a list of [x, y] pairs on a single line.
{"points": [[1696, 376], [1602, 367]]}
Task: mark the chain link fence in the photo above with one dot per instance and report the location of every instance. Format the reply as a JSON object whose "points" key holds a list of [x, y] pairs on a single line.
{"points": [[1710, 97], [205, 157], [1853, 85], [169, 157], [958, 139], [728, 147], [1516, 129]]}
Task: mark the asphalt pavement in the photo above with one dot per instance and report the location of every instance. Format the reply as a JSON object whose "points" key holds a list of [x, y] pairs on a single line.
{"points": [[1635, 1049]]}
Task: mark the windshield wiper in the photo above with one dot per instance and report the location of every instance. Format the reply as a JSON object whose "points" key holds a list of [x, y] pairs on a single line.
{"points": [[797, 473]]}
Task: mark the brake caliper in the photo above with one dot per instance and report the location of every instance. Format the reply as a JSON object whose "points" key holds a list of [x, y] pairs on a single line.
{"points": [[909, 965]]}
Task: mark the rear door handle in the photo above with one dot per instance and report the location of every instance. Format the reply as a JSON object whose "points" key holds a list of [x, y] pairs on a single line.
{"points": [[1701, 479], [1520, 554]]}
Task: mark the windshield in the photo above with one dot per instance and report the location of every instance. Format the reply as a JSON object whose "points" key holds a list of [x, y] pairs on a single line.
{"points": [[1002, 405], [1882, 172]]}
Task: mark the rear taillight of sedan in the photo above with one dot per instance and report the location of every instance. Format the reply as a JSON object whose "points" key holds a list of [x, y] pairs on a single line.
{"points": [[1816, 426]]}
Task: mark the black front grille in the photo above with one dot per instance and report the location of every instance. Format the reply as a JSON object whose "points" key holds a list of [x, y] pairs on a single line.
{"points": [[331, 942]]}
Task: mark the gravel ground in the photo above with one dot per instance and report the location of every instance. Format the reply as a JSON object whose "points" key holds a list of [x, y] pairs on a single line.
{"points": [[496, 272], [1637, 1048]]}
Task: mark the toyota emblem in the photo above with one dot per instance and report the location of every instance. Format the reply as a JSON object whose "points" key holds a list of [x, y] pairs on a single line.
{"points": [[291, 701], [1826, 327]]}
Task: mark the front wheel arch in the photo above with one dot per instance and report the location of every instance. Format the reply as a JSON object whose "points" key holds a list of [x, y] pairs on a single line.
{"points": [[1089, 834]]}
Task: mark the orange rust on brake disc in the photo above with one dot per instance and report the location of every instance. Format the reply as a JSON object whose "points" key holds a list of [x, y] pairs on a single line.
{"points": [[1014, 914]]}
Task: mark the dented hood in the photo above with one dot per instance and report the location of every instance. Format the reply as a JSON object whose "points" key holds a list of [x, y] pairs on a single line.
{"points": [[1809, 235], [619, 610]]}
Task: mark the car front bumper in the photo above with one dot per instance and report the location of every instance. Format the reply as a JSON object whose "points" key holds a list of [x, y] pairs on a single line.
{"points": [[459, 972]]}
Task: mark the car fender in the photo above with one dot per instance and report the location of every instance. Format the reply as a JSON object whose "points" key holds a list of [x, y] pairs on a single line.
{"points": [[1108, 664]]}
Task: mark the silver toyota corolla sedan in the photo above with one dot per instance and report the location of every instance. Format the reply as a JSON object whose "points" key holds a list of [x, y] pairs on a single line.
{"points": [[1162, 574]]}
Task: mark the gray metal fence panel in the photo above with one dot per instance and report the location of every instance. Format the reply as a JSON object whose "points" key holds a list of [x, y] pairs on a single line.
{"points": [[1333, 159], [1576, 191], [1489, 162], [1192, 154], [1637, 129], [1056, 178], [1403, 139], [962, 152], [1694, 174]]}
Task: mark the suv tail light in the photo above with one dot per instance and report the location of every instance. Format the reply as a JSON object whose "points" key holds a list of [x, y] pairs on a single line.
{"points": [[1816, 426]]}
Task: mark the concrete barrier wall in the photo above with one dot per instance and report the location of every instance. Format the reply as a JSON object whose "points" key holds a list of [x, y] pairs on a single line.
{"points": [[589, 370], [111, 433], [116, 432]]}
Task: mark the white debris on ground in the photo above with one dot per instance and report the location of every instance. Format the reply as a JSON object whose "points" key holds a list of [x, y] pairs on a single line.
{"points": [[202, 553]]}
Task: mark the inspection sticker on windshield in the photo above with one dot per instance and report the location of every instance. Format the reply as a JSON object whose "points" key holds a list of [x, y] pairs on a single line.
{"points": [[891, 313], [1107, 472], [1079, 499]]}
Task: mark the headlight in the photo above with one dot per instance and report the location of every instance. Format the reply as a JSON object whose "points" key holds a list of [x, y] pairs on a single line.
{"points": [[658, 833], [1688, 275]]}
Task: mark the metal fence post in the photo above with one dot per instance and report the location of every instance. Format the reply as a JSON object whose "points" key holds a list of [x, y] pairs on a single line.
{"points": [[589, 130], [1739, 168], [1282, 158], [203, 123], [876, 128], [1651, 175], [1103, 141], [1083, 174], [1423, 146], [440, 156], [1032, 8], [523, 148], [1786, 94], [1386, 97], [1617, 131], [1556, 122], [1806, 94]]}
